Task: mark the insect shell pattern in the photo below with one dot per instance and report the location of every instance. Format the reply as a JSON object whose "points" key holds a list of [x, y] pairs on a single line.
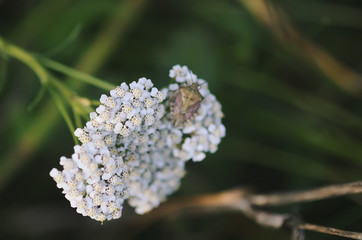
{"points": [[185, 102]]}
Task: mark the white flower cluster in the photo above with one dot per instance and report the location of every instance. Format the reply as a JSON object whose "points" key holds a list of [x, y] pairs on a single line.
{"points": [[93, 181], [131, 150], [164, 168], [158, 175], [204, 131]]}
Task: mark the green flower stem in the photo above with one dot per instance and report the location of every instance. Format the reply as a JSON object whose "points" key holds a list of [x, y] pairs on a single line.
{"points": [[26, 58], [70, 72], [45, 78], [54, 86], [71, 99], [39, 128], [77, 119], [95, 102], [64, 89], [63, 110], [40, 95], [81, 109], [36, 65]]}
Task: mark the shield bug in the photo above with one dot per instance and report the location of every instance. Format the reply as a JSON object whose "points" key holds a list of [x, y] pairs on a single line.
{"points": [[185, 103]]}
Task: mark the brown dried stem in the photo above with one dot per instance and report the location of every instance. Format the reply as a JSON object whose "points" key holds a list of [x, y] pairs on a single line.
{"points": [[245, 202], [305, 196], [279, 24], [330, 231]]}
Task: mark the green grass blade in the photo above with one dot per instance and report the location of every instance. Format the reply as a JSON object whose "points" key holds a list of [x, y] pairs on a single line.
{"points": [[38, 98], [63, 111], [73, 35], [70, 72]]}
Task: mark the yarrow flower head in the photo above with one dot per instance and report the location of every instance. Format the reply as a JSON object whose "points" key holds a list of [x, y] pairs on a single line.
{"points": [[131, 149], [93, 181], [202, 132]]}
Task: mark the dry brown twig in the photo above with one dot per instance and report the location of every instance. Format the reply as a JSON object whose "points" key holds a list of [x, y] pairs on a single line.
{"points": [[271, 16], [242, 200], [305, 196]]}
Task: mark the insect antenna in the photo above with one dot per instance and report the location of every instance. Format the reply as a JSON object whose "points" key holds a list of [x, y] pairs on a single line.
{"points": [[193, 79], [190, 81]]}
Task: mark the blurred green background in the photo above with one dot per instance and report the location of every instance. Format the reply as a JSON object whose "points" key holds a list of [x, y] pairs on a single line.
{"points": [[289, 86]]}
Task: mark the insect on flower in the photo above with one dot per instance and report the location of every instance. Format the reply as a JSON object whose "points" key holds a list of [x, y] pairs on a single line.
{"points": [[185, 103]]}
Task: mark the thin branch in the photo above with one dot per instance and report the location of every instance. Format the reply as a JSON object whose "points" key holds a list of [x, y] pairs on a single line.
{"points": [[306, 196], [212, 202], [330, 231], [243, 201], [266, 219]]}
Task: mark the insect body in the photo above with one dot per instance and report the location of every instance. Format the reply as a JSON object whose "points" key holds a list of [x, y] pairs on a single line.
{"points": [[185, 104]]}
